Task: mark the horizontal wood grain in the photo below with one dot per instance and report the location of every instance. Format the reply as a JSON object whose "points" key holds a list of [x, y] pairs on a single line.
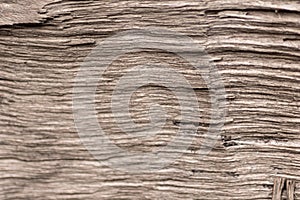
{"points": [[255, 47]]}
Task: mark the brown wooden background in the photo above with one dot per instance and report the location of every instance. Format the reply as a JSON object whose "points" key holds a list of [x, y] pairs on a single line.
{"points": [[255, 46]]}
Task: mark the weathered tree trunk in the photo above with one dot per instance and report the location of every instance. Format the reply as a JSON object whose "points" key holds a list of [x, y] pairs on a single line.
{"points": [[255, 47]]}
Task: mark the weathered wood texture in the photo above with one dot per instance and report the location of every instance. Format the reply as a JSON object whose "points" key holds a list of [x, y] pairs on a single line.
{"points": [[255, 46]]}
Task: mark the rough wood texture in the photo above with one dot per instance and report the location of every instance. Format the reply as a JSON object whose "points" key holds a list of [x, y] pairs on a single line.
{"points": [[255, 46]]}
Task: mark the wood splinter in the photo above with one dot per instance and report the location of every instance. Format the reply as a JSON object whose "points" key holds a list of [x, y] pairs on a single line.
{"points": [[290, 188], [278, 188]]}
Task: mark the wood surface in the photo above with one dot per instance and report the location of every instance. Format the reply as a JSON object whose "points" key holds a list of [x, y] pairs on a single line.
{"points": [[255, 46]]}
